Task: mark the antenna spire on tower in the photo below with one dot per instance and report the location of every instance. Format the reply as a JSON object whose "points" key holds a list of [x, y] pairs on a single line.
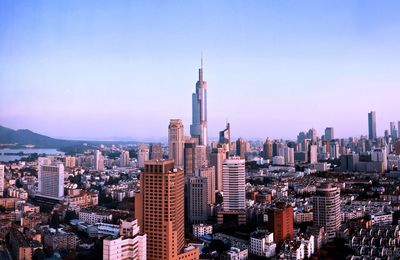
{"points": [[201, 60]]}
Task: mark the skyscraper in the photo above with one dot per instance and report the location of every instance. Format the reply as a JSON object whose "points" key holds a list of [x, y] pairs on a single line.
{"points": [[326, 209], [1, 180], [194, 157], [124, 159], [288, 154], [312, 134], [98, 161], [329, 133], [398, 129], [199, 128], [268, 149], [233, 172], [51, 180], [241, 148], [156, 152], [334, 149], [143, 155], [313, 153], [159, 209], [393, 131], [209, 173], [176, 141], [218, 156], [372, 125], [189, 152], [197, 199]]}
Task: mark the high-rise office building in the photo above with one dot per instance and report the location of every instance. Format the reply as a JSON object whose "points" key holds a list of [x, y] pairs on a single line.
{"points": [[197, 199], [200, 157], [267, 149], [233, 172], [199, 128], [398, 129], [313, 153], [176, 142], [194, 158], [326, 209], [189, 159], [98, 161], [348, 162], [156, 152], [393, 130], [372, 125], [280, 221], [1, 180], [143, 155], [301, 137], [277, 148], [218, 156], [159, 209], [241, 148], [312, 134], [288, 154], [209, 174], [51, 180], [334, 149], [124, 159], [329, 133]]}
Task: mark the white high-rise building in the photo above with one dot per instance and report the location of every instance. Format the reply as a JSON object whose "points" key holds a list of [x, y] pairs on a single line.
{"points": [[176, 142], [1, 180], [98, 161], [313, 153], [51, 180], [262, 244], [143, 154], [130, 244], [233, 173], [326, 209], [124, 159]]}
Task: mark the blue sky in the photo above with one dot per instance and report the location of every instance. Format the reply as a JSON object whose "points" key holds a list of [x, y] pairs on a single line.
{"points": [[124, 68]]}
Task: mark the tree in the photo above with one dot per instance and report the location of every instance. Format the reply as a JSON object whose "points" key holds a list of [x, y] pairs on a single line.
{"points": [[69, 215], [55, 220]]}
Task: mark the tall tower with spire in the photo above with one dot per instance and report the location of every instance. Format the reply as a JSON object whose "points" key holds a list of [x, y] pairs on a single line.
{"points": [[199, 128]]}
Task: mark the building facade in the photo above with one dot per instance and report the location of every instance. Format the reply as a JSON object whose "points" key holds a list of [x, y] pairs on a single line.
{"points": [[159, 209], [326, 209], [233, 172], [176, 141]]}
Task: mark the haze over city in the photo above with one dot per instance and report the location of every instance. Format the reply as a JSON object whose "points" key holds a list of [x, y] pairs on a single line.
{"points": [[118, 69]]}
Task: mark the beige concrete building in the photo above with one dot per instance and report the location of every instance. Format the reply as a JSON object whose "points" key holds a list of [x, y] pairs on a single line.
{"points": [[176, 141]]}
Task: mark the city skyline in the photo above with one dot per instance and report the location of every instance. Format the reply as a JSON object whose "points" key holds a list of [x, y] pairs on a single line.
{"points": [[258, 80]]}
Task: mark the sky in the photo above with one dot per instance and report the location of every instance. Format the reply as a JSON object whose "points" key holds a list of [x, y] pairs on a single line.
{"points": [[96, 69]]}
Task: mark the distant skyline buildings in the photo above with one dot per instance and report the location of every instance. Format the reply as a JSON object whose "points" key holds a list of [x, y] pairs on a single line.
{"points": [[43, 59]]}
